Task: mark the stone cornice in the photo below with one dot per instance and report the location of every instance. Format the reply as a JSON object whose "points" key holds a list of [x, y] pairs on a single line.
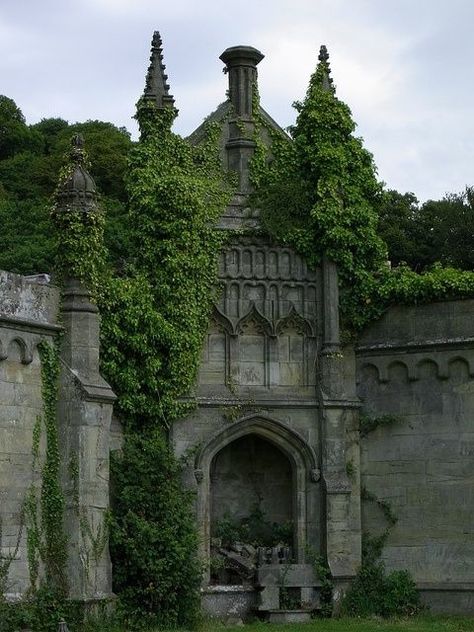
{"points": [[415, 347], [31, 326]]}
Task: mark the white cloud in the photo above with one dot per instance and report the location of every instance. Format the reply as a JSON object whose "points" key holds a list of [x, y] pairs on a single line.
{"points": [[402, 66]]}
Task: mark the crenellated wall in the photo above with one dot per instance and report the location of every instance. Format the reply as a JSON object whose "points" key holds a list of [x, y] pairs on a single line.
{"points": [[30, 314], [417, 364]]}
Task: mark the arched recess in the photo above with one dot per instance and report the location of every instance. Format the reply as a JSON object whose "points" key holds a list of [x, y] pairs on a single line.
{"points": [[299, 453], [17, 346]]}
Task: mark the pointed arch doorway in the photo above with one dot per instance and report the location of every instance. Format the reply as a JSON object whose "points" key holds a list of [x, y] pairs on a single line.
{"points": [[232, 455]]}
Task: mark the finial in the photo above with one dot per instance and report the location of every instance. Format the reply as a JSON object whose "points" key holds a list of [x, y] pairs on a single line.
{"points": [[323, 58], [241, 65], [77, 190], [77, 148], [156, 86], [323, 54]]}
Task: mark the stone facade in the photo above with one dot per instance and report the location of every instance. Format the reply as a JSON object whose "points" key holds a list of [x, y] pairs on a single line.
{"points": [[276, 422], [276, 417], [28, 315]]}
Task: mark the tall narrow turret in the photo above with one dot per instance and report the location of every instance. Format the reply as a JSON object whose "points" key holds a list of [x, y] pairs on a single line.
{"points": [[156, 86], [241, 65]]}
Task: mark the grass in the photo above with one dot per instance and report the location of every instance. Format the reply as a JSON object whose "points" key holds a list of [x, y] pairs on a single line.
{"points": [[422, 623], [419, 623]]}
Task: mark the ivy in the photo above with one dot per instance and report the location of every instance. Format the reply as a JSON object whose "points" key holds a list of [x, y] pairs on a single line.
{"points": [[323, 573], [374, 591], [153, 537], [53, 547], [368, 423], [80, 251], [43, 513], [156, 316], [154, 319], [319, 194]]}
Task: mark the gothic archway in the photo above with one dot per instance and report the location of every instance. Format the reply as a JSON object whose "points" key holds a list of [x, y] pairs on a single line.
{"points": [[292, 445]]}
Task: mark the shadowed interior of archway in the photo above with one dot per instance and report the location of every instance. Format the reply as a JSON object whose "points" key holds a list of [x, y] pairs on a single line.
{"points": [[251, 495]]}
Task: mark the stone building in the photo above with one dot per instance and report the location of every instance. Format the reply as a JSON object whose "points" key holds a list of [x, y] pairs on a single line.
{"points": [[276, 427]]}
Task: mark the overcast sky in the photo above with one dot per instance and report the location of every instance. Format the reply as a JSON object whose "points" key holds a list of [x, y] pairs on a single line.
{"points": [[405, 68]]}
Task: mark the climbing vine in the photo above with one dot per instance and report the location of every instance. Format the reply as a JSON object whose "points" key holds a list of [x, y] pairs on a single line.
{"points": [[320, 195], [155, 318], [79, 234], [53, 546], [374, 591]]}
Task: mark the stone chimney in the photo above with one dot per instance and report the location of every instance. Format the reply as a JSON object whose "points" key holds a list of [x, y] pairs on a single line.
{"points": [[241, 66]]}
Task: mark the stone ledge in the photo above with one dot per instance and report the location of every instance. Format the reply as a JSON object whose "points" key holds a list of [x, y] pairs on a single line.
{"points": [[446, 586], [416, 347], [31, 326]]}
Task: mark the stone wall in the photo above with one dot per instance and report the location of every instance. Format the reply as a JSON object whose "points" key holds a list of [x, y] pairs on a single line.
{"points": [[417, 364], [28, 315]]}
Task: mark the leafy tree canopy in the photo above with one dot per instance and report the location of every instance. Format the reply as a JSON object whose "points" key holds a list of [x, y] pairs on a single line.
{"points": [[30, 160], [424, 234]]}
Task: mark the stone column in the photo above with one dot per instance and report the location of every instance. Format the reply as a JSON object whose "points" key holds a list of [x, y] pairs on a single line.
{"points": [[84, 405], [85, 410], [336, 409]]}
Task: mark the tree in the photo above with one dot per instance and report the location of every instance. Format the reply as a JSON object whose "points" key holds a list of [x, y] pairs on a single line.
{"points": [[30, 160], [398, 227], [438, 231], [14, 133], [447, 230]]}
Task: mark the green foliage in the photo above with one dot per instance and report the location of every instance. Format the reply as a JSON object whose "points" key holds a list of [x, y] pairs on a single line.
{"points": [[42, 608], [254, 529], [153, 539], [155, 317], [374, 592], [436, 231], [320, 191], [30, 158], [385, 506], [53, 546], [319, 194], [399, 228], [80, 249], [323, 573], [14, 133]]}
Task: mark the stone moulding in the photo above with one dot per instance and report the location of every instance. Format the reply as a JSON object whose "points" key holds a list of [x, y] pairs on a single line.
{"points": [[265, 426], [301, 455]]}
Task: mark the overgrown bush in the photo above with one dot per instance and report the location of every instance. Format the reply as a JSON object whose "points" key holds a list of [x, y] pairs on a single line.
{"points": [[374, 592], [153, 536], [254, 529]]}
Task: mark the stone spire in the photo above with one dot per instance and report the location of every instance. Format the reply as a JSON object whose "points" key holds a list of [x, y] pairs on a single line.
{"points": [[77, 191], [323, 58], [156, 86]]}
